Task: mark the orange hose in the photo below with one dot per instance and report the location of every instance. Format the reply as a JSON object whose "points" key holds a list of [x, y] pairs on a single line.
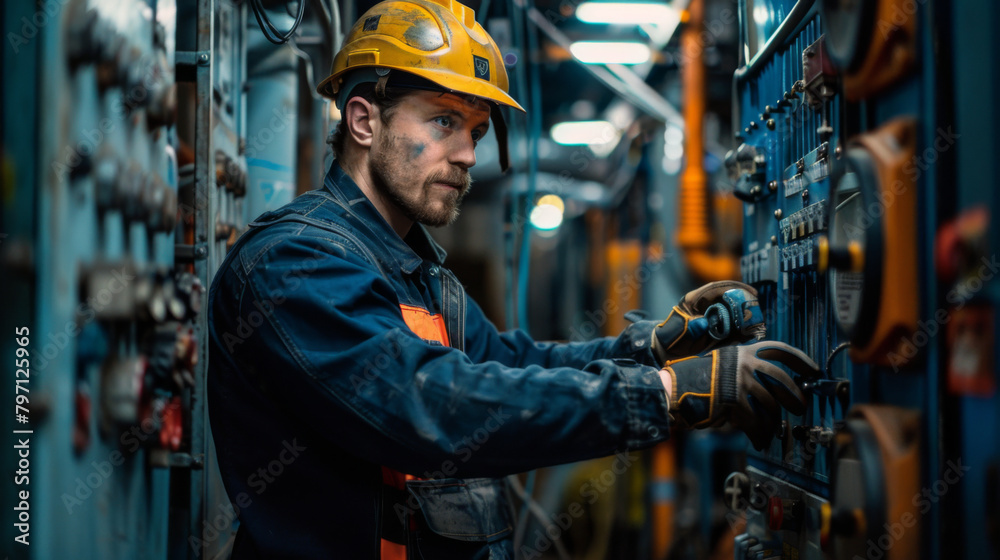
{"points": [[664, 480], [694, 237]]}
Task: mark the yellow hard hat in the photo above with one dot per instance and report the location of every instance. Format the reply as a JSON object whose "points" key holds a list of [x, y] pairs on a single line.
{"points": [[436, 40]]}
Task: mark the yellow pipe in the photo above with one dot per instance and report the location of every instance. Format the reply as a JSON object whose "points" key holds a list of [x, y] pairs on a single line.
{"points": [[694, 237]]}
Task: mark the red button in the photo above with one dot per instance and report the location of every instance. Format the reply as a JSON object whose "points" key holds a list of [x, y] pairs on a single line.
{"points": [[775, 513]]}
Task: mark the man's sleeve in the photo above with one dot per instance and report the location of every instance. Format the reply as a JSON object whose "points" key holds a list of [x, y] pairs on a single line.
{"points": [[483, 342], [336, 348]]}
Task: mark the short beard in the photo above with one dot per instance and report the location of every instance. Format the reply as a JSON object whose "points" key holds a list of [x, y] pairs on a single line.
{"points": [[386, 182]]}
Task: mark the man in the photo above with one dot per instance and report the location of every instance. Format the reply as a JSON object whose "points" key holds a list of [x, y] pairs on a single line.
{"points": [[362, 406]]}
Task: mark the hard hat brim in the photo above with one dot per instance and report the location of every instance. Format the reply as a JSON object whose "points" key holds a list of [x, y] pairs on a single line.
{"points": [[446, 80]]}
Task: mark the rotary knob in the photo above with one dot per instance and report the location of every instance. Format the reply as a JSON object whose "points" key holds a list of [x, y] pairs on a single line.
{"points": [[737, 491]]}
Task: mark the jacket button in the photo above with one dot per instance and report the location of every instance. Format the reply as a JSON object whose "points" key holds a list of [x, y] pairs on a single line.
{"points": [[434, 271]]}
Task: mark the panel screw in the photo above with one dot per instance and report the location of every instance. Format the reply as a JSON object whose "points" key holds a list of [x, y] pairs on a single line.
{"points": [[777, 214], [203, 59], [770, 124], [772, 186]]}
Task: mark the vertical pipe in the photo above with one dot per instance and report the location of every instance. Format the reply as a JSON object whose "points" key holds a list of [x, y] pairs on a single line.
{"points": [[694, 237], [663, 491]]}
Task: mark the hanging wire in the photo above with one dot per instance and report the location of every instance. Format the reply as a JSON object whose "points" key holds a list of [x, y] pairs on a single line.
{"points": [[271, 33], [527, 42], [534, 130], [514, 221], [540, 514]]}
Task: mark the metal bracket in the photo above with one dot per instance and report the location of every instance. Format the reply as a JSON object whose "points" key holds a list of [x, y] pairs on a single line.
{"points": [[190, 253], [187, 461], [187, 62]]}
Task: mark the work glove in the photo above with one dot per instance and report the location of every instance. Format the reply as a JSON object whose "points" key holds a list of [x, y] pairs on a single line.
{"points": [[717, 314], [739, 384]]}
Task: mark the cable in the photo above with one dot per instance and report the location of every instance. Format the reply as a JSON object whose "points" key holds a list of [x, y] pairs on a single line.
{"points": [[271, 33], [539, 513], [837, 350], [534, 134], [522, 517]]}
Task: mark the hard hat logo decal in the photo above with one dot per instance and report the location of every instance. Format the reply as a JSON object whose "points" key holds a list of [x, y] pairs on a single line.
{"points": [[482, 67], [371, 24]]}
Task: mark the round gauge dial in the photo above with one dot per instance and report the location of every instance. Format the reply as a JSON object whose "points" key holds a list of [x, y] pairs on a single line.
{"points": [[857, 222], [847, 224], [848, 30], [857, 490]]}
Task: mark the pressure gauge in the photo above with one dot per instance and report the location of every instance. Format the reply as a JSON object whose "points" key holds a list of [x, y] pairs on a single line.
{"points": [[875, 476], [856, 245], [848, 30], [871, 253], [871, 57]]}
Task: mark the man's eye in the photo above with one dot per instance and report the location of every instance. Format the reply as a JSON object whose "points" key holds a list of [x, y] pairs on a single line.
{"points": [[444, 121], [476, 136]]}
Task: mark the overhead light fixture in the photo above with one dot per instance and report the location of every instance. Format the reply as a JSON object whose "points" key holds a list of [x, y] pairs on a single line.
{"points": [[585, 133], [610, 52], [547, 215], [635, 13]]}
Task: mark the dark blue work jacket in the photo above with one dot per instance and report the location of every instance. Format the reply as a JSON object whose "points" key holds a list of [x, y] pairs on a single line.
{"points": [[318, 379]]}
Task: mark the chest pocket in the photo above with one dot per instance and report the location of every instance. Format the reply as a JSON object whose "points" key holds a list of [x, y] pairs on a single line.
{"points": [[428, 326]]}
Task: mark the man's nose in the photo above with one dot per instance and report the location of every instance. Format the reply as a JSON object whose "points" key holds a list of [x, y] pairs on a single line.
{"points": [[463, 153]]}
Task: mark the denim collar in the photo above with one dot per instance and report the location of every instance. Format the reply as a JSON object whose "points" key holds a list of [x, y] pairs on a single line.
{"points": [[409, 252]]}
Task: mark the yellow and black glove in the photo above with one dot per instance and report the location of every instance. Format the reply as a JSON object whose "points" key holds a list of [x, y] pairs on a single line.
{"points": [[739, 384], [717, 314]]}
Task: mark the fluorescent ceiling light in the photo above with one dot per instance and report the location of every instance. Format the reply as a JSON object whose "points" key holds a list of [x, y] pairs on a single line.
{"points": [[584, 133], [546, 217], [627, 13], [610, 52]]}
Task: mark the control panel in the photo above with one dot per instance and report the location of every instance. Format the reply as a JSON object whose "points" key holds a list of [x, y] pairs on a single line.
{"points": [[821, 161]]}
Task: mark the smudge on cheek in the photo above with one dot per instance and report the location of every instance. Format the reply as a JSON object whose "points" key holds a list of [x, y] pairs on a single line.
{"points": [[416, 149], [412, 149]]}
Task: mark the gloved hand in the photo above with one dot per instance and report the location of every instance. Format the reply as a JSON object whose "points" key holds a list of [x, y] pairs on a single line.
{"points": [[740, 384], [686, 331]]}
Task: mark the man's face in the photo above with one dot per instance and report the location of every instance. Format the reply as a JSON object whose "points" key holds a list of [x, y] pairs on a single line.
{"points": [[420, 159]]}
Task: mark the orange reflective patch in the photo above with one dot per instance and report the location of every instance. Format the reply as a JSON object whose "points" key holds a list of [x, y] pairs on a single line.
{"points": [[392, 551], [424, 324]]}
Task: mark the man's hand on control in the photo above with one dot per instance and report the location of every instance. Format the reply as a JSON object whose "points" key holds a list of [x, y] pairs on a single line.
{"points": [[686, 331], [740, 384]]}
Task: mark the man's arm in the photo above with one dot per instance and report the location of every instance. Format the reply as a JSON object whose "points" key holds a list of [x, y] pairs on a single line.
{"points": [[337, 351], [483, 342]]}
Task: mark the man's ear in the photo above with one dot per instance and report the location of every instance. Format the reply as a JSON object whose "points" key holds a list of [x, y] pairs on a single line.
{"points": [[359, 115]]}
